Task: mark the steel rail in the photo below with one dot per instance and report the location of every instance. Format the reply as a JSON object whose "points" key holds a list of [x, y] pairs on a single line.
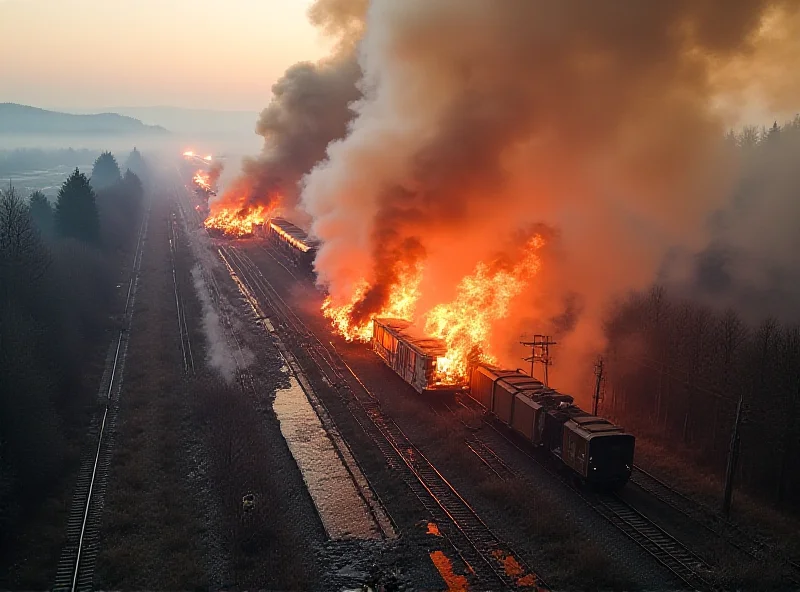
{"points": [[663, 547], [180, 307], [233, 259], [70, 568], [483, 550], [490, 458], [705, 517]]}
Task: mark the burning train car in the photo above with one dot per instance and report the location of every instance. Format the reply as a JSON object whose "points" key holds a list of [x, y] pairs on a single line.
{"points": [[597, 451], [414, 357], [593, 449], [291, 241]]}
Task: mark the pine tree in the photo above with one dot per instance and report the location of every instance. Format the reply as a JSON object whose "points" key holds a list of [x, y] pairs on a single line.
{"points": [[76, 209], [105, 172], [132, 185], [41, 212], [136, 164]]}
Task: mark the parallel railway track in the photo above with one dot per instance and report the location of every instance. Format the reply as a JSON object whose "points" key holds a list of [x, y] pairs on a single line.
{"points": [[681, 562], [180, 307], [490, 560], [378, 511], [75, 569], [490, 458], [713, 523], [685, 565]]}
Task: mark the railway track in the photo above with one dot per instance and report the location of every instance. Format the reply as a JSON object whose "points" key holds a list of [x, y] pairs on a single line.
{"points": [[491, 562], [183, 328], [706, 518], [234, 344], [375, 506], [685, 565], [75, 569], [490, 458]]}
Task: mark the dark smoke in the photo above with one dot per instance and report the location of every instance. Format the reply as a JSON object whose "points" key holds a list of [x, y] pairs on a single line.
{"points": [[601, 119], [751, 262], [310, 107]]}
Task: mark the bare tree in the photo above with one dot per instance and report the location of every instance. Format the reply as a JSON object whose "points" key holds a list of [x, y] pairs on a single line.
{"points": [[23, 258]]}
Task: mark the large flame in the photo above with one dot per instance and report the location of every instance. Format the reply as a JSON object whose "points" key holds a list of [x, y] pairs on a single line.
{"points": [[482, 298], [202, 180], [236, 214], [465, 324], [236, 221], [401, 305]]}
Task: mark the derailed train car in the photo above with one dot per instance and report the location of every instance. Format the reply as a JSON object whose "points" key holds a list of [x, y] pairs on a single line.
{"points": [[599, 452], [593, 449], [414, 357], [292, 241]]}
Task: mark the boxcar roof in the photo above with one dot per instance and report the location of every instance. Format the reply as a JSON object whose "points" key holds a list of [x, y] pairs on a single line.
{"points": [[528, 386], [408, 333], [591, 425], [287, 228]]}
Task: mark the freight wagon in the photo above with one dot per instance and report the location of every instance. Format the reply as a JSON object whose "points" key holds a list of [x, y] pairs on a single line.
{"points": [[597, 451], [593, 449], [292, 241], [412, 356]]}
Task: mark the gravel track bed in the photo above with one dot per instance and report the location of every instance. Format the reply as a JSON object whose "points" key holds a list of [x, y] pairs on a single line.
{"points": [[629, 566]]}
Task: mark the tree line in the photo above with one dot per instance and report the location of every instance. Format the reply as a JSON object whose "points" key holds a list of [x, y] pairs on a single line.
{"points": [[22, 159], [681, 354], [58, 285]]}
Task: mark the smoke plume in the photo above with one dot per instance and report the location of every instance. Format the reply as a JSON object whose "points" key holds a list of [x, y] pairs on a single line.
{"points": [[751, 262], [214, 172], [309, 109], [601, 120]]}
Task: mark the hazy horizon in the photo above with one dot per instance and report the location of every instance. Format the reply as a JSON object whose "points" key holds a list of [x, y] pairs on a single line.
{"points": [[86, 54]]}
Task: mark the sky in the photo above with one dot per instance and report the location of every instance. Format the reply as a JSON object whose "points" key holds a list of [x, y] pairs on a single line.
{"points": [[209, 54]]}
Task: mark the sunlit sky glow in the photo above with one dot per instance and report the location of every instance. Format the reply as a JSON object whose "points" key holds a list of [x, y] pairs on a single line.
{"points": [[217, 54]]}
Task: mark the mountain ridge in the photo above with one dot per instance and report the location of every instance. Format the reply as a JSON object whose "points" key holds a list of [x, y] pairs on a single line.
{"points": [[26, 119]]}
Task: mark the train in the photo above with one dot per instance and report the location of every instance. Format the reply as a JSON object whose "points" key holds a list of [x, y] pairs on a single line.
{"points": [[292, 242], [411, 355], [592, 449]]}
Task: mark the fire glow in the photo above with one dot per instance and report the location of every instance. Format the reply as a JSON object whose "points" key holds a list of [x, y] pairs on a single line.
{"points": [[289, 238], [237, 222], [402, 303], [201, 179], [465, 324]]}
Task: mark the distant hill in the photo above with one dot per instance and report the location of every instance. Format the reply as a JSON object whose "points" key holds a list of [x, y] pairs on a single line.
{"points": [[194, 121], [22, 119]]}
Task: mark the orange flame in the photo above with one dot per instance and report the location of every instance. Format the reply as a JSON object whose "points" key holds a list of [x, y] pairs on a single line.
{"points": [[201, 179], [465, 324], [237, 222], [482, 298], [401, 305]]}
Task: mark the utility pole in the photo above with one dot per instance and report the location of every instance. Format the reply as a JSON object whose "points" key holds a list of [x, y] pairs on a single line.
{"points": [[733, 460], [540, 352], [598, 372]]}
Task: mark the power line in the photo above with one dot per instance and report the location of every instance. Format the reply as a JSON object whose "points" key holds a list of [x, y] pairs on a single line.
{"points": [[540, 352], [598, 372]]}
